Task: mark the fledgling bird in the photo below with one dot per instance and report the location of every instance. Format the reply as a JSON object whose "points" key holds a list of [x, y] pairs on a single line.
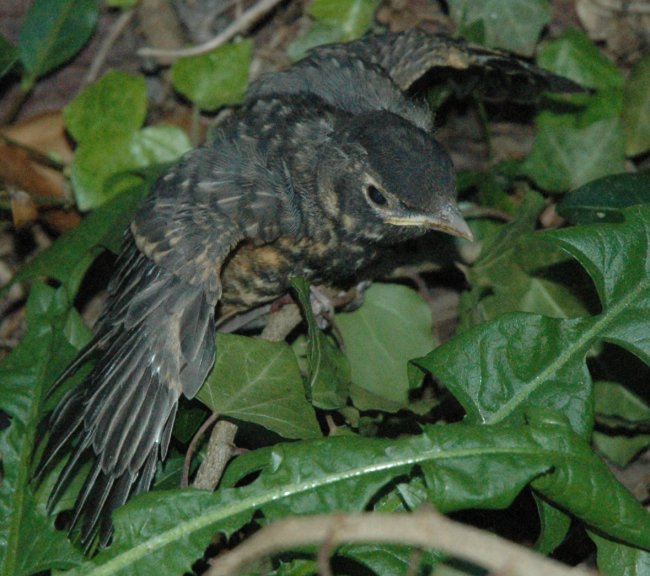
{"points": [[323, 165]]}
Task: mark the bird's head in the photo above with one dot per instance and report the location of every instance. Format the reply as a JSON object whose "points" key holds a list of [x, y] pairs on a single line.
{"points": [[387, 180]]}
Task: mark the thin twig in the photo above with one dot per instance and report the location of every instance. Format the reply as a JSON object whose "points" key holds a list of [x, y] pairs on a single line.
{"points": [[220, 450], [423, 529], [185, 478], [104, 48], [239, 25]]}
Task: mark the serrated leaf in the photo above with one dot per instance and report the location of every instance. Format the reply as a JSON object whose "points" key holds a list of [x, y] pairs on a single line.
{"points": [[476, 466], [603, 200], [29, 542], [392, 326], [514, 25], [565, 156], [215, 79], [98, 162], [115, 104], [636, 108], [8, 56], [328, 382], [500, 368], [53, 32], [259, 381]]}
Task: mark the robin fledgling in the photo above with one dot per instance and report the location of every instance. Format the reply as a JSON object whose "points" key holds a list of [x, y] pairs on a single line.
{"points": [[323, 165]]}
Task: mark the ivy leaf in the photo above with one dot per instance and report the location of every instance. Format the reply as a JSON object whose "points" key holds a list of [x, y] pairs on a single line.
{"points": [[565, 155], [500, 368], [514, 25], [513, 273], [636, 109], [576, 57], [329, 370], [217, 78], [115, 104], [259, 381], [335, 21], [98, 162], [53, 32], [392, 326]]}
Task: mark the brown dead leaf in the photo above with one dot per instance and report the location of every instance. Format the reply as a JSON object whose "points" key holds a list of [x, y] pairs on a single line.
{"points": [[22, 171]]}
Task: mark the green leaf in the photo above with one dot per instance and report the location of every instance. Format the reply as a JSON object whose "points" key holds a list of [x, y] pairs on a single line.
{"points": [[114, 105], [514, 25], [352, 17], [53, 32], [514, 273], [565, 156], [259, 381], [636, 108], [329, 370], [392, 326], [335, 21], [463, 466], [604, 199], [68, 259], [8, 56], [620, 448], [29, 541], [616, 559], [97, 162], [499, 369], [576, 57], [215, 79], [618, 406]]}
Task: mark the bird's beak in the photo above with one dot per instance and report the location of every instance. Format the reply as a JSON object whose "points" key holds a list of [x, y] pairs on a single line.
{"points": [[448, 220]]}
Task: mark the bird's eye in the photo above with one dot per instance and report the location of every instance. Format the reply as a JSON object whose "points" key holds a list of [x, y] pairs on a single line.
{"points": [[375, 196]]}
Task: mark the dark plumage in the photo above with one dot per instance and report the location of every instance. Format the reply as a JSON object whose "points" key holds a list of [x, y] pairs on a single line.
{"points": [[324, 163]]}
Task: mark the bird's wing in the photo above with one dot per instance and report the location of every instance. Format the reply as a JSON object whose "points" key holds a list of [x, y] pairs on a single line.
{"points": [[155, 339], [409, 56], [376, 71]]}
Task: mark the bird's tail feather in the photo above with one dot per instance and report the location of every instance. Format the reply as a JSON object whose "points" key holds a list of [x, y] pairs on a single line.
{"points": [[154, 341]]}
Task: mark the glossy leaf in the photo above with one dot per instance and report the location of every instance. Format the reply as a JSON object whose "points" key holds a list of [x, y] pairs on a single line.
{"points": [[259, 381], [345, 473], [500, 368], [514, 25], [29, 542], [215, 79], [604, 199], [53, 32], [392, 326], [616, 559]]}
